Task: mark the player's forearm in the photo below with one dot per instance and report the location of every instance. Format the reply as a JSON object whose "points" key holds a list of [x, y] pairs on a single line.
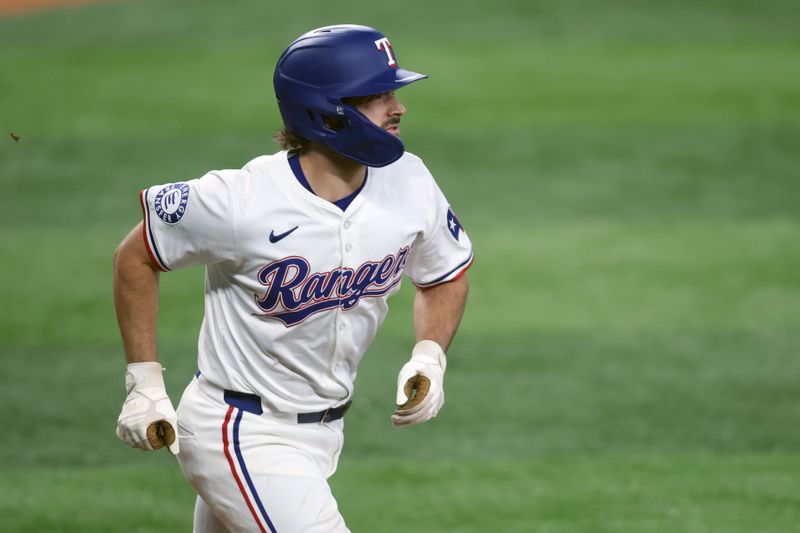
{"points": [[438, 311], [136, 298]]}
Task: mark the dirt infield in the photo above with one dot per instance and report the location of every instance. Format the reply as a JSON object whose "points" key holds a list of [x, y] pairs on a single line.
{"points": [[10, 8]]}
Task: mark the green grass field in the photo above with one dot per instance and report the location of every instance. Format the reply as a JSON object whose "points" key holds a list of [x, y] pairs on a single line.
{"points": [[629, 173]]}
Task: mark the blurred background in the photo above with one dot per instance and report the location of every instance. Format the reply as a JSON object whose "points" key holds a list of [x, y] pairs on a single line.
{"points": [[628, 174]]}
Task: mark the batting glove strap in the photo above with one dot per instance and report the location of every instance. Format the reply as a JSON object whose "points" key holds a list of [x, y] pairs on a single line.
{"points": [[147, 420], [420, 385]]}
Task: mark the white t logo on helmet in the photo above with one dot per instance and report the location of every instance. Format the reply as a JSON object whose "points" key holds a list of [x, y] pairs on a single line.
{"points": [[386, 46]]}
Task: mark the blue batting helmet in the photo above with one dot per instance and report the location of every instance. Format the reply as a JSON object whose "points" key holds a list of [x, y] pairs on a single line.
{"points": [[325, 65]]}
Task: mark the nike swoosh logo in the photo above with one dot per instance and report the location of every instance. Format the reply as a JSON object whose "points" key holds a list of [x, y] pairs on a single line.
{"points": [[275, 238]]}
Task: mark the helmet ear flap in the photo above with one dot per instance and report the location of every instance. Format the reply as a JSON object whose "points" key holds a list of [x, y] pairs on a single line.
{"points": [[365, 142], [310, 123], [334, 123]]}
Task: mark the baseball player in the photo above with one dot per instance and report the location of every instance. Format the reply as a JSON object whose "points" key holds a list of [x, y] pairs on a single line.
{"points": [[302, 250]]}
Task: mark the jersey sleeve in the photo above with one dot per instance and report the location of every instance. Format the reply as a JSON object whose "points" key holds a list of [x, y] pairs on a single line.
{"points": [[191, 223], [442, 252]]}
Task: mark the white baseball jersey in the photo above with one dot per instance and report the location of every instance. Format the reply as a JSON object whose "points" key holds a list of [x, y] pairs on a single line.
{"points": [[296, 288]]}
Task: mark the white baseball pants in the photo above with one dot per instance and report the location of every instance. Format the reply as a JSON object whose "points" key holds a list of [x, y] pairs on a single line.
{"points": [[256, 472]]}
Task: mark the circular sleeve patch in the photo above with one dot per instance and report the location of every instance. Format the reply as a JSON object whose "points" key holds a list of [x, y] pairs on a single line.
{"points": [[171, 201]]}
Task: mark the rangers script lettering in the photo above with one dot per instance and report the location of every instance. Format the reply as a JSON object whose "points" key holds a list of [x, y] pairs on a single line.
{"points": [[301, 295]]}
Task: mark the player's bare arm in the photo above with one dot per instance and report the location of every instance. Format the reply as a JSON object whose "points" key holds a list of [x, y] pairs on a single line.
{"points": [[136, 297], [420, 385], [148, 419], [438, 311]]}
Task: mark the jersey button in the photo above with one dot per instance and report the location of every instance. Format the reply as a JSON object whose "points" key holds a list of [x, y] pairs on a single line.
{"points": [[341, 327], [348, 247], [347, 225]]}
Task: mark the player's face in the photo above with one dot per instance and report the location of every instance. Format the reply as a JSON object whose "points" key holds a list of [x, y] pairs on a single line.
{"points": [[384, 110]]}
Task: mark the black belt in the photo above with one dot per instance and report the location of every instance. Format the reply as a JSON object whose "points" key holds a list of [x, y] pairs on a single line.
{"points": [[252, 404]]}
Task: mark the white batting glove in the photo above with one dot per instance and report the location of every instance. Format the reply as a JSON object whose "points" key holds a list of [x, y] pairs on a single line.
{"points": [[147, 420], [420, 385]]}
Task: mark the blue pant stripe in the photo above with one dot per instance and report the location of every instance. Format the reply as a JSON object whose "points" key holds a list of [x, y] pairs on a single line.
{"points": [[247, 478]]}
